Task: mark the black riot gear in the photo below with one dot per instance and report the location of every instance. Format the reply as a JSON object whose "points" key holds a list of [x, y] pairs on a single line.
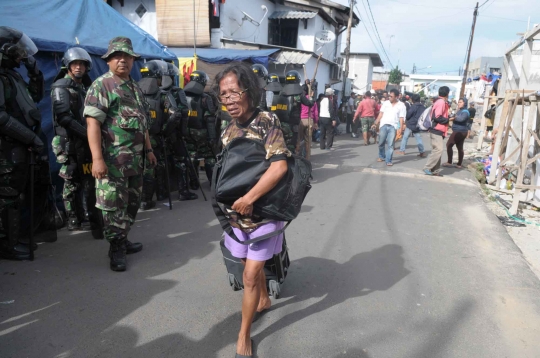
{"points": [[15, 45], [262, 74], [68, 108], [292, 85], [273, 84], [19, 129], [154, 69], [198, 80]]}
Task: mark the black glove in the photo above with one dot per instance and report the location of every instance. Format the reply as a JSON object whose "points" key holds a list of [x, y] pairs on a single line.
{"points": [[37, 144], [31, 66]]}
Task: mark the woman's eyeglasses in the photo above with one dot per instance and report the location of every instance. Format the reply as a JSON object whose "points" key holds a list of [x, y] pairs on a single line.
{"points": [[233, 96]]}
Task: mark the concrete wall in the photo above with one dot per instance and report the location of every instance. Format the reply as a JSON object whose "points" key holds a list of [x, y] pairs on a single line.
{"points": [[484, 64], [361, 72], [515, 75], [231, 20], [147, 22]]}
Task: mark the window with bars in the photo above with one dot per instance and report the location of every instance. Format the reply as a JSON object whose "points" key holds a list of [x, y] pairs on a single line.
{"points": [[283, 32]]}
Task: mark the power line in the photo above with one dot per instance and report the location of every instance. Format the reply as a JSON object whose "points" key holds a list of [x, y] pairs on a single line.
{"points": [[485, 2], [367, 31], [434, 7], [503, 18], [379, 36]]}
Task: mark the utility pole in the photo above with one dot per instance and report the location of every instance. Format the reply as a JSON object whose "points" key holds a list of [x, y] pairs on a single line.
{"points": [[464, 81], [414, 68], [348, 48]]}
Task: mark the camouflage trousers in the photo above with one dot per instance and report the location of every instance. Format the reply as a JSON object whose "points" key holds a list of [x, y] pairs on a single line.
{"points": [[68, 194], [118, 198], [290, 134], [157, 147]]}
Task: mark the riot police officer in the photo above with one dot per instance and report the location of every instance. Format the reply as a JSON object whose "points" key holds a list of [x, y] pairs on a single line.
{"points": [[70, 143], [154, 178], [262, 75], [275, 88], [19, 128], [202, 131], [176, 130], [288, 107]]}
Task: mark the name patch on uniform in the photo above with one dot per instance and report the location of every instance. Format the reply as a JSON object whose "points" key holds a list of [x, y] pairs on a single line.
{"points": [[192, 113], [87, 168], [282, 107], [273, 108], [153, 114]]}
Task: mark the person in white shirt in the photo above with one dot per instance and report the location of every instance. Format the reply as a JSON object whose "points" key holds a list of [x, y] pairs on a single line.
{"points": [[390, 118], [350, 112], [327, 120]]}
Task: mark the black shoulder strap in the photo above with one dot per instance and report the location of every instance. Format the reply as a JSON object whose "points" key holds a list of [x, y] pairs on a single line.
{"points": [[224, 221]]}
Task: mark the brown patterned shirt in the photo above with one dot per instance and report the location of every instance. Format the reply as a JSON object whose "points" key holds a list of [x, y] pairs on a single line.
{"points": [[265, 127]]}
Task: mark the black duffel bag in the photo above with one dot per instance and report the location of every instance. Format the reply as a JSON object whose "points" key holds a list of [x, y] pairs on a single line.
{"points": [[241, 165]]}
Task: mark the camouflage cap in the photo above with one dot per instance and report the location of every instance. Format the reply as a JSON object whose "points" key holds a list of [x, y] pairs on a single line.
{"points": [[120, 44]]}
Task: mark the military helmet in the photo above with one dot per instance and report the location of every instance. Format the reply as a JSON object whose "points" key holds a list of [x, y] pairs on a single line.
{"points": [[260, 71], [172, 70], [154, 68], [273, 78], [293, 77], [77, 54], [199, 77], [14, 44]]}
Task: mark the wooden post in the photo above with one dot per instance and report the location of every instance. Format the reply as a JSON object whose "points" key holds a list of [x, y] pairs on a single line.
{"points": [[496, 149], [504, 144], [518, 189]]}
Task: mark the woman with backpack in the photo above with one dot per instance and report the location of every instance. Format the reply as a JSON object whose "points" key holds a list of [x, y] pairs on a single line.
{"points": [[460, 129]]}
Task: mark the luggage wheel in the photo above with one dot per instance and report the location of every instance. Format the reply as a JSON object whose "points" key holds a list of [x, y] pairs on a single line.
{"points": [[275, 290], [233, 282]]}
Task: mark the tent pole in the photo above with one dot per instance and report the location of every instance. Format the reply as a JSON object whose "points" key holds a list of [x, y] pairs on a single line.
{"points": [[194, 31]]}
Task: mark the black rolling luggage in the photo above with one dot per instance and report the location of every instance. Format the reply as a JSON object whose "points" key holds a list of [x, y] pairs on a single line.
{"points": [[275, 269]]}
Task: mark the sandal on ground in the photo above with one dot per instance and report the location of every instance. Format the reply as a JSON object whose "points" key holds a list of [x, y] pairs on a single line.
{"points": [[380, 160], [389, 164], [421, 155], [448, 165], [437, 174], [252, 352], [459, 166]]}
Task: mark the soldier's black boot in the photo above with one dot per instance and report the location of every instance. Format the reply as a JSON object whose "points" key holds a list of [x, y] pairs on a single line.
{"points": [[183, 190], [10, 246], [117, 254], [147, 194], [133, 247], [86, 223], [72, 221]]}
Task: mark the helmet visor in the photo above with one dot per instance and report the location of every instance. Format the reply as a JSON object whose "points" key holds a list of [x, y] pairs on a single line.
{"points": [[23, 48], [163, 68], [77, 54]]}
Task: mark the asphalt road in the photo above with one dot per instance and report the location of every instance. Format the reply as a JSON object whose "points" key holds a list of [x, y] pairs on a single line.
{"points": [[385, 263]]}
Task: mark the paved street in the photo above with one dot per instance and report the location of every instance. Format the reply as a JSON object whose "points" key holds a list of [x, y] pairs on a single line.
{"points": [[385, 263]]}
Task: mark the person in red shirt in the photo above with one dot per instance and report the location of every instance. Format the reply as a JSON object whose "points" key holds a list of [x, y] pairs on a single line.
{"points": [[366, 114], [437, 132]]}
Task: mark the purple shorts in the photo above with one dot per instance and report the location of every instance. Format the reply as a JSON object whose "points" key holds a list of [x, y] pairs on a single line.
{"points": [[258, 251]]}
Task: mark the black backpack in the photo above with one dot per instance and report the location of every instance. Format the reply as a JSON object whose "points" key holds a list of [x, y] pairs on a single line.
{"points": [[240, 166]]}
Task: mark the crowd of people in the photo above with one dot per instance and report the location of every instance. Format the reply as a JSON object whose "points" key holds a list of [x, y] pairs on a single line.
{"points": [[392, 116]]}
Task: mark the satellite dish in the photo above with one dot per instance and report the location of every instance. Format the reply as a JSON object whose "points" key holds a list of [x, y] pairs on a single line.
{"points": [[324, 37], [250, 19], [469, 80]]}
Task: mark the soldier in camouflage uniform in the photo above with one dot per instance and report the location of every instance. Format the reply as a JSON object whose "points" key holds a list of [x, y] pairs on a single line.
{"points": [[70, 143], [288, 107], [202, 130], [175, 132], [19, 128], [116, 116], [154, 178]]}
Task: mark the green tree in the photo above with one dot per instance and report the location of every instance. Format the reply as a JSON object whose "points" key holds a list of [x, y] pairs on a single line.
{"points": [[395, 77]]}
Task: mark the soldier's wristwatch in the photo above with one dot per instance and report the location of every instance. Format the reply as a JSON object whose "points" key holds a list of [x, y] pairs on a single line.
{"points": [[149, 151]]}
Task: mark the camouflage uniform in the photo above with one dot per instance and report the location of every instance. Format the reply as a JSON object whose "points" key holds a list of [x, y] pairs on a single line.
{"points": [[265, 128], [119, 106]]}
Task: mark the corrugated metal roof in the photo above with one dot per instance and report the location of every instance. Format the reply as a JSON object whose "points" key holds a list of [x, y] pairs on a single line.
{"points": [[292, 15], [292, 57]]}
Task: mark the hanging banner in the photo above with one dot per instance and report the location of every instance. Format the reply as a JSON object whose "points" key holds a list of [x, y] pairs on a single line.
{"points": [[186, 65]]}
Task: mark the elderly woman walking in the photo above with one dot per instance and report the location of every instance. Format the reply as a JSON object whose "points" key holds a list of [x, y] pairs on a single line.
{"points": [[460, 130], [237, 89]]}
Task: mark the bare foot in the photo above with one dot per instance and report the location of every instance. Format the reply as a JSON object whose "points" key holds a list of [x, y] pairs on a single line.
{"points": [[264, 304], [243, 346]]}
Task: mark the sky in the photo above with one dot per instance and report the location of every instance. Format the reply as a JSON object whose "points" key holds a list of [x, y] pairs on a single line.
{"points": [[436, 33]]}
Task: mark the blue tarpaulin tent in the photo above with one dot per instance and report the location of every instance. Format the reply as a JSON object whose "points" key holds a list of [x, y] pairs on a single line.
{"points": [[226, 55], [57, 25]]}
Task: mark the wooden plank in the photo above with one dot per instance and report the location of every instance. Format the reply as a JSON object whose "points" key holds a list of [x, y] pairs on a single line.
{"points": [[493, 187], [502, 122], [527, 187], [502, 149], [176, 25], [524, 154]]}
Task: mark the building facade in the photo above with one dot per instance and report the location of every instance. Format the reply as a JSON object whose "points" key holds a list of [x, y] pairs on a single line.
{"points": [[361, 67], [485, 65]]}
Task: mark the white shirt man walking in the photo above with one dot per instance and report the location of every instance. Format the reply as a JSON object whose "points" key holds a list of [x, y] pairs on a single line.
{"points": [[391, 117]]}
